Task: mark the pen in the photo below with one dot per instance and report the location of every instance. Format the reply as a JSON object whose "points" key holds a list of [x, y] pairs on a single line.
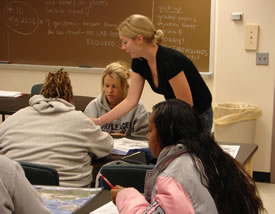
{"points": [[106, 180], [130, 155]]}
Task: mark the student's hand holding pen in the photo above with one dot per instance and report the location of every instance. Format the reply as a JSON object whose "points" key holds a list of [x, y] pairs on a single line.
{"points": [[114, 192], [114, 189]]}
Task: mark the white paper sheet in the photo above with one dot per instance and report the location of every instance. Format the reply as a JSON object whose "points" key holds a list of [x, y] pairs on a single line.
{"points": [[122, 145], [231, 149], [109, 208], [10, 94]]}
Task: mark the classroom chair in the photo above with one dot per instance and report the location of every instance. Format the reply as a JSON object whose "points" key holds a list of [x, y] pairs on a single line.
{"points": [[38, 174], [124, 174], [36, 88]]}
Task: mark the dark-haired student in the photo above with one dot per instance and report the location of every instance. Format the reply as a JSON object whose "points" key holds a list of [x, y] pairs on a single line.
{"points": [[17, 196], [192, 175]]}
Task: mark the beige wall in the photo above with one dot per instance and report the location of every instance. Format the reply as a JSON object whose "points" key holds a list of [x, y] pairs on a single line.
{"points": [[236, 77]]}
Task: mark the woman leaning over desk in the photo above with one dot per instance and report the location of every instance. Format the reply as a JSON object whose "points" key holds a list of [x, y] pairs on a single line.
{"points": [[192, 175], [168, 71], [114, 89]]}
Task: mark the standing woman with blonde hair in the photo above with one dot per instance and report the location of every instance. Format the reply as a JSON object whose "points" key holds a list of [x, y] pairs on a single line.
{"points": [[114, 89], [168, 71]]}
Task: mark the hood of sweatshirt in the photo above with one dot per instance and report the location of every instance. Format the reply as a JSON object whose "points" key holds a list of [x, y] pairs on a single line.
{"points": [[103, 103], [50, 105]]}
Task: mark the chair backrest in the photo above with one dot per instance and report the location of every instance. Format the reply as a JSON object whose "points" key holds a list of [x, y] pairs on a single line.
{"points": [[128, 175], [36, 88], [38, 174]]}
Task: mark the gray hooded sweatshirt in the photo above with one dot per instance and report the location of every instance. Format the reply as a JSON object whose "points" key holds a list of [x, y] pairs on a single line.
{"points": [[134, 123], [51, 132]]}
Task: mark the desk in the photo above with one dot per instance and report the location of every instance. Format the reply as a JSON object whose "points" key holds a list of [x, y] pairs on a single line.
{"points": [[9, 105], [102, 198], [245, 155]]}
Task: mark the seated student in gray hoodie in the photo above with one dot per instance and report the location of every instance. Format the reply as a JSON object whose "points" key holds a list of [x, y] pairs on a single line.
{"points": [[114, 90], [17, 194], [51, 132]]}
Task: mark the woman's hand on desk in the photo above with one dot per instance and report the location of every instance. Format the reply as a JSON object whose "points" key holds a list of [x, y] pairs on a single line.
{"points": [[114, 192]]}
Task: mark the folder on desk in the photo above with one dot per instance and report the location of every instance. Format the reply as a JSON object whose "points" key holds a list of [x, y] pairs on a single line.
{"points": [[65, 199]]}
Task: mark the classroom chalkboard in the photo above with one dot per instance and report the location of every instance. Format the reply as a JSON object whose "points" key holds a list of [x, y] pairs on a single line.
{"points": [[83, 32]]}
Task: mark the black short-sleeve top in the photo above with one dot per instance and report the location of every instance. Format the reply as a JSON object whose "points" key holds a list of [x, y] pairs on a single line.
{"points": [[169, 63]]}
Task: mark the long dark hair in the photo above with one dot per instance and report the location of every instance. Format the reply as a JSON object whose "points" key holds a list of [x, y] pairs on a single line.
{"points": [[232, 189]]}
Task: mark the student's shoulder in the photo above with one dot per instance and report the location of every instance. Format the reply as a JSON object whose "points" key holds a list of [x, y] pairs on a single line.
{"points": [[8, 166], [5, 161], [95, 100], [79, 120], [78, 115]]}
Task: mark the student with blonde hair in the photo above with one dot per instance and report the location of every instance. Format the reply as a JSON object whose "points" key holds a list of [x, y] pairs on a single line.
{"points": [[114, 83], [168, 71], [51, 132]]}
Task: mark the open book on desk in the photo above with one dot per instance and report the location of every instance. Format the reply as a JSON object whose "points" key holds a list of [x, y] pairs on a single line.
{"points": [[66, 200], [123, 145], [11, 94]]}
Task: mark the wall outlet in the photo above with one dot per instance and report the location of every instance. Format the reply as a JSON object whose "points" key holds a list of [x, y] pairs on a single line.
{"points": [[251, 36], [262, 58]]}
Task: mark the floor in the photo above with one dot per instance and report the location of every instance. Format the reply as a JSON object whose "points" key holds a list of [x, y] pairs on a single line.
{"points": [[267, 193]]}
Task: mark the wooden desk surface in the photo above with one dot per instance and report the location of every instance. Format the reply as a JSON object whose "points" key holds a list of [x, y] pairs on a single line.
{"points": [[245, 152], [9, 105]]}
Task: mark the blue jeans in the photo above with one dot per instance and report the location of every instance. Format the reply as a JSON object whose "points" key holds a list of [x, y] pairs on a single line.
{"points": [[207, 119]]}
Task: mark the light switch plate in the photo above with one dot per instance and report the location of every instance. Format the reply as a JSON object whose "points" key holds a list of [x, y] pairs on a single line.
{"points": [[251, 36]]}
